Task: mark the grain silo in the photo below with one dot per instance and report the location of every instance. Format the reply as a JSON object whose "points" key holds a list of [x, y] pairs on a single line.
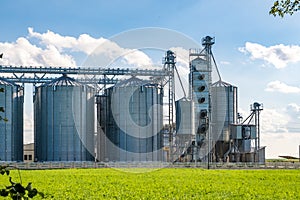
{"points": [[224, 112], [11, 132], [185, 129], [64, 121], [130, 122]]}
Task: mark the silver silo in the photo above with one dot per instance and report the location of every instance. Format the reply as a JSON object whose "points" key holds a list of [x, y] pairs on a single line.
{"points": [[64, 121], [130, 122], [11, 132], [224, 108], [185, 117], [185, 128], [224, 112]]}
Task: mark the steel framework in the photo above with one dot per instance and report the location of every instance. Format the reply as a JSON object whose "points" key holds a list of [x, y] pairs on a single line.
{"points": [[99, 75]]}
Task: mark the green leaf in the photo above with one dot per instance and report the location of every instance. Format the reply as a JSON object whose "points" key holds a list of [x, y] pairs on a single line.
{"points": [[19, 188], [32, 193], [41, 194], [4, 193], [28, 187], [15, 197], [10, 180]]}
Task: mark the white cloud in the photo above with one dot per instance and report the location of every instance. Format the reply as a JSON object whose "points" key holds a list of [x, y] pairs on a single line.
{"points": [[281, 120], [105, 51], [224, 63], [277, 55], [285, 144], [137, 58], [277, 86], [293, 109], [53, 49], [84, 43], [22, 52], [280, 131], [274, 121]]}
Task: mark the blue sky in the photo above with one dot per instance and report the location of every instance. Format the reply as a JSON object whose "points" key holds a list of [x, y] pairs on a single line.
{"points": [[254, 51]]}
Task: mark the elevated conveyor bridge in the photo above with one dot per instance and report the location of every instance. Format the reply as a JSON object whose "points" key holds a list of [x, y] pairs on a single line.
{"points": [[35, 75]]}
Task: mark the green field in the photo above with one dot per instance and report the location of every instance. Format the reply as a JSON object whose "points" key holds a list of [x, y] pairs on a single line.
{"points": [[188, 183]]}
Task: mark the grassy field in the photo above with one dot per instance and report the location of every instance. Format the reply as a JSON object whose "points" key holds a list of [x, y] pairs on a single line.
{"points": [[162, 184]]}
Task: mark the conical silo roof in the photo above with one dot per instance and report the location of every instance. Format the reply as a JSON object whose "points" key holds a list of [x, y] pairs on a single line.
{"points": [[64, 81], [221, 83], [131, 82]]}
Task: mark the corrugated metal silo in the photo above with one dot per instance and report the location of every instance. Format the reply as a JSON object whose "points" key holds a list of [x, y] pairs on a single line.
{"points": [[130, 124], [185, 127], [11, 132], [64, 121], [224, 113], [185, 117], [224, 109]]}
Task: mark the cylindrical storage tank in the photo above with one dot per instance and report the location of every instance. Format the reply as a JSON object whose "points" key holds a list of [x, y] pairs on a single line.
{"points": [[185, 117], [131, 122], [64, 121], [223, 109], [11, 131]]}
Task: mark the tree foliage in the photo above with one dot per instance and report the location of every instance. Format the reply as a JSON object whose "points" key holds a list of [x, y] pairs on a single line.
{"points": [[16, 190], [282, 7]]}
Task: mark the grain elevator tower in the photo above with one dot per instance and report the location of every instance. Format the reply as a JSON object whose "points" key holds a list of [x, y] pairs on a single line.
{"points": [[200, 82]]}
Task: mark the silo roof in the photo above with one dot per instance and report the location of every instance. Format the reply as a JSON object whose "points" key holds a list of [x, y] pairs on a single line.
{"points": [[221, 83], [64, 81], [133, 81]]}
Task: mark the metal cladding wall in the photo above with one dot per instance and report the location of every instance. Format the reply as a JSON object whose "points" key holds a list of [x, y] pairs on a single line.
{"points": [[64, 121], [11, 132], [224, 109], [185, 117], [130, 118]]}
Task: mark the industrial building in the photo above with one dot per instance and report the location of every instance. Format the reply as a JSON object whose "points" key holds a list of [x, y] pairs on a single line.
{"points": [[29, 152], [131, 115]]}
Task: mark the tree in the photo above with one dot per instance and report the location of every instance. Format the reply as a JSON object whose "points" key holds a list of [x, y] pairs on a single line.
{"points": [[282, 7]]}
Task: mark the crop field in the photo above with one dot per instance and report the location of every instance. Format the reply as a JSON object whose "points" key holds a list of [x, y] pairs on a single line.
{"points": [[167, 183]]}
